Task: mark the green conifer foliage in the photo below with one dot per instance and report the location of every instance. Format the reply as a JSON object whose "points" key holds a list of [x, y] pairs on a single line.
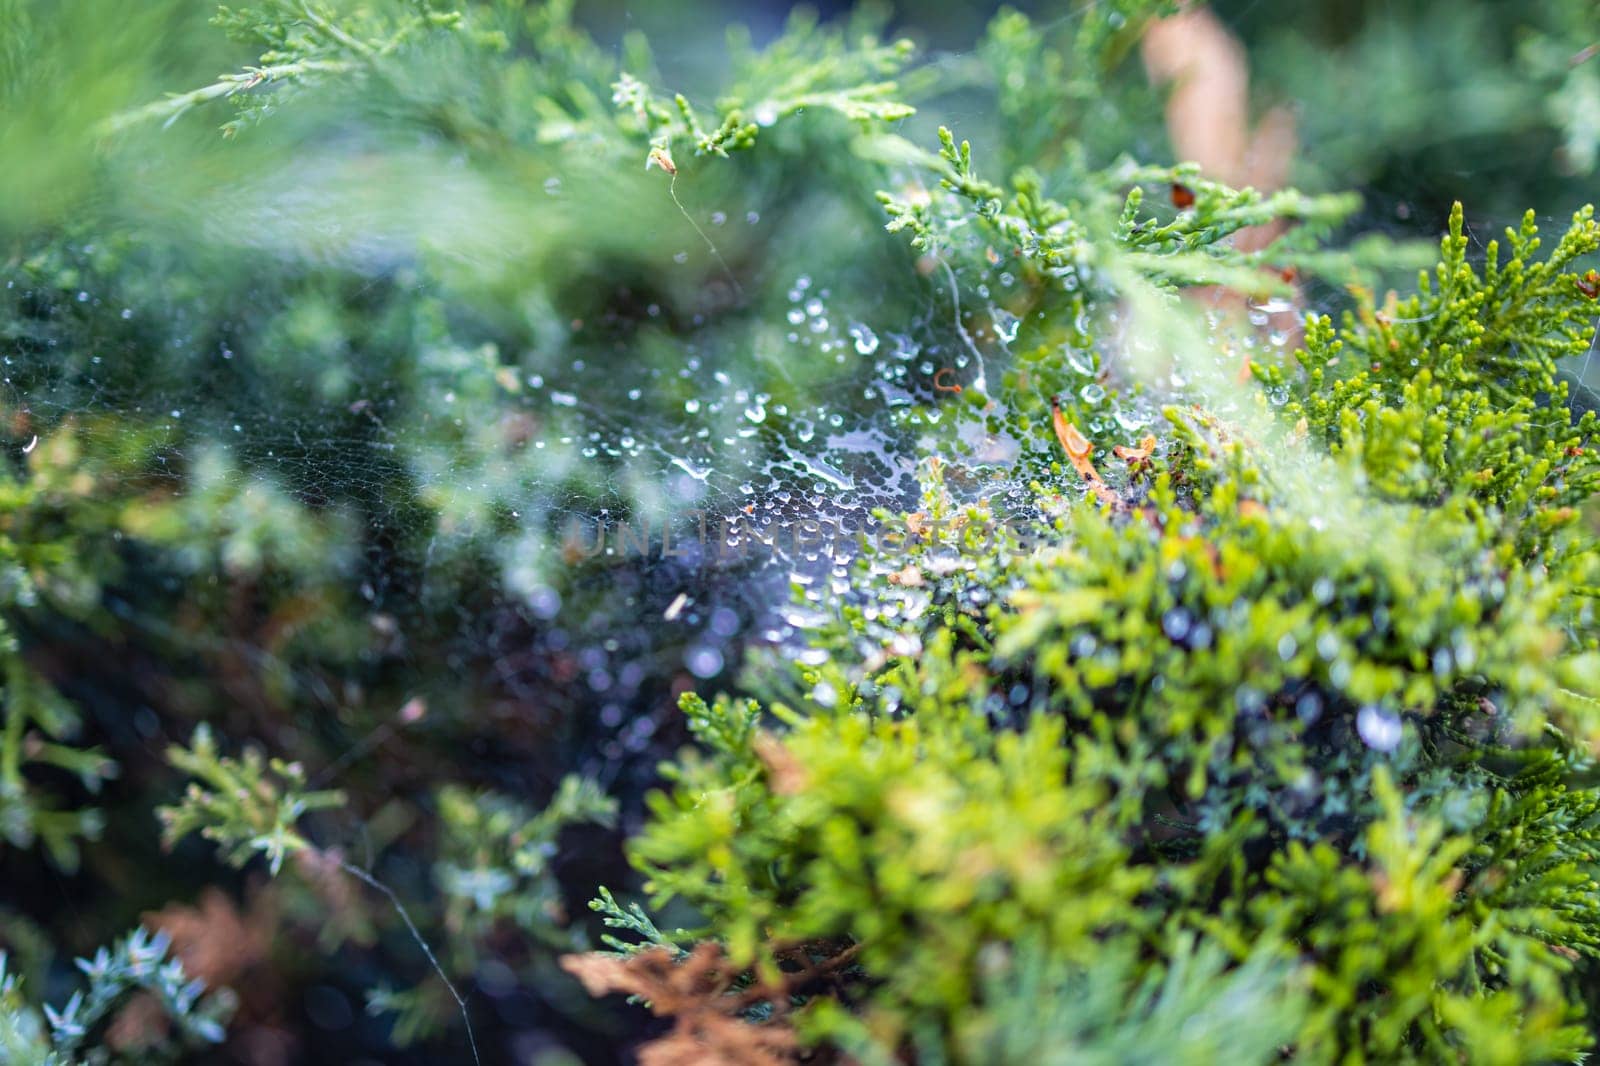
{"points": [[1233, 692], [1331, 689]]}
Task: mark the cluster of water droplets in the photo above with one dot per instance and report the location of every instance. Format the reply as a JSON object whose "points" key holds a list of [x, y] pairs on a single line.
{"points": [[758, 463]]}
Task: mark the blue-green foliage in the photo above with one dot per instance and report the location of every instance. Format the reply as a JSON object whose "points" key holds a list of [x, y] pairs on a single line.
{"points": [[74, 1033]]}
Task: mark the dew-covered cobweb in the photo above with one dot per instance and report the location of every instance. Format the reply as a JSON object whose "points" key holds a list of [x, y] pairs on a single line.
{"points": [[640, 523], [622, 504]]}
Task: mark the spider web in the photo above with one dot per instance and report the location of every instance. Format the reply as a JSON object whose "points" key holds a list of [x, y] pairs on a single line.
{"points": [[730, 450], [612, 518]]}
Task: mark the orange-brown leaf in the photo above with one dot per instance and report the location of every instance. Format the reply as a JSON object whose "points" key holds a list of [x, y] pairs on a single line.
{"points": [[1146, 447], [1074, 443]]}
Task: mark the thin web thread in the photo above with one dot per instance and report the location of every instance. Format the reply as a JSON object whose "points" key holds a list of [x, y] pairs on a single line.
{"points": [[367, 879], [672, 191]]}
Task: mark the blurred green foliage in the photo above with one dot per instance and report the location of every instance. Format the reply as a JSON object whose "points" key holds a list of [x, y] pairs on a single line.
{"points": [[324, 322]]}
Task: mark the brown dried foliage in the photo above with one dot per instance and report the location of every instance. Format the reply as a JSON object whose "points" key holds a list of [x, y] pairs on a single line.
{"points": [[709, 1001]]}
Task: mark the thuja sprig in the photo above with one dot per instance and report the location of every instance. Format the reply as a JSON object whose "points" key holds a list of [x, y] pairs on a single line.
{"points": [[1455, 390], [496, 861], [137, 963], [496, 866], [23, 1037], [301, 41], [807, 68], [1104, 233], [171, 108], [723, 725], [252, 806], [1217, 211], [35, 725], [1477, 329], [248, 806], [634, 919], [56, 526]]}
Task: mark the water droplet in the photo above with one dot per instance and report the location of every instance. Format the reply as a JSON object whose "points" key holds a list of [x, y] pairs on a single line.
{"points": [[1129, 418], [1308, 707], [699, 473], [703, 661], [1176, 623], [544, 601], [1379, 727], [1005, 324], [866, 340], [1277, 305]]}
